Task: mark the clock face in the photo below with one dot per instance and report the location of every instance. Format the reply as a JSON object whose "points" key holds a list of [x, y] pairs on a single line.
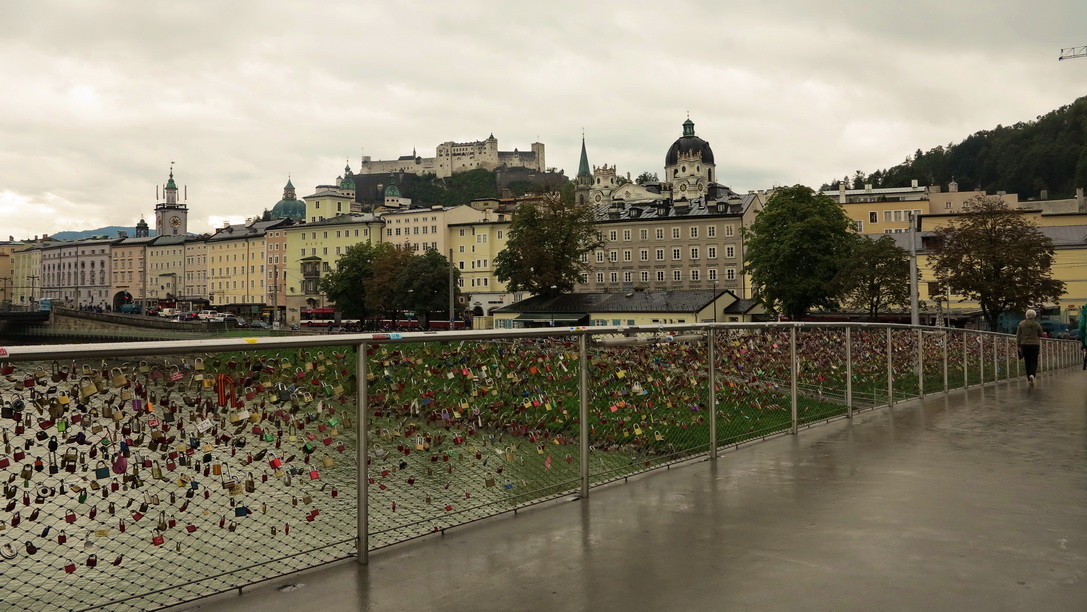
{"points": [[175, 221]]}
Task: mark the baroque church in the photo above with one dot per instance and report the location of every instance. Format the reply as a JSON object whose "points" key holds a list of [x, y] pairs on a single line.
{"points": [[690, 179]]}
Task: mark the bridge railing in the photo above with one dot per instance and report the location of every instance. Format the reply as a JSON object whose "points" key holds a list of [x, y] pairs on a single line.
{"points": [[140, 475]]}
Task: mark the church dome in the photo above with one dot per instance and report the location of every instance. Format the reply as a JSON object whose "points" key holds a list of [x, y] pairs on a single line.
{"points": [[392, 192], [292, 209], [688, 144]]}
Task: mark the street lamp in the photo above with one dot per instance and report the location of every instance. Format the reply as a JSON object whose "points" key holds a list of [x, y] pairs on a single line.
{"points": [[554, 288]]}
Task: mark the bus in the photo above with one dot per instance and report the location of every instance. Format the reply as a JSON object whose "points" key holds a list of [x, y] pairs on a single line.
{"points": [[322, 317]]}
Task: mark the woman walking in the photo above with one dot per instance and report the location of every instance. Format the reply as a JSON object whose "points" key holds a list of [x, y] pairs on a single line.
{"points": [[1029, 338]]}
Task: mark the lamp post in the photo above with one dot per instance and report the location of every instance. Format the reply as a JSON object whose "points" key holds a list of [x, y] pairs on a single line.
{"points": [[554, 289]]}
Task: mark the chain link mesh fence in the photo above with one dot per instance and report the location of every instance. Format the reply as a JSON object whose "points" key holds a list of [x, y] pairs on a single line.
{"points": [[132, 483], [135, 484]]}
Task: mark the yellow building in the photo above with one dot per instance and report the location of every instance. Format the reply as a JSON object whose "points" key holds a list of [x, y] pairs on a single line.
{"points": [[7, 271], [128, 272], [166, 267], [1066, 230], [236, 265], [475, 245], [312, 249], [427, 228]]}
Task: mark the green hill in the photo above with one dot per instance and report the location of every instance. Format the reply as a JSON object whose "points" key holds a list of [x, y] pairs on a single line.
{"points": [[1048, 153]]}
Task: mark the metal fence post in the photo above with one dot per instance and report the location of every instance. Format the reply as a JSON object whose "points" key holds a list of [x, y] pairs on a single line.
{"points": [[583, 408], [1007, 361], [920, 363], [362, 501], [583, 396], [981, 358], [792, 362], [947, 337], [848, 372], [890, 371], [996, 375], [712, 352], [965, 363]]}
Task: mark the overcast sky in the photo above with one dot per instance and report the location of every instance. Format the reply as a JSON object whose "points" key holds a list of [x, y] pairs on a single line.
{"points": [[100, 96]]}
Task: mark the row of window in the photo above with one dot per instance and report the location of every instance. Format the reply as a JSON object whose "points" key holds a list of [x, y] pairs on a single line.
{"points": [[677, 233], [643, 254], [893, 216], [389, 231], [660, 275]]}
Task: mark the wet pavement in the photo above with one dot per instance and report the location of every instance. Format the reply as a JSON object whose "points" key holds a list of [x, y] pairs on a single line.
{"points": [[972, 501]]}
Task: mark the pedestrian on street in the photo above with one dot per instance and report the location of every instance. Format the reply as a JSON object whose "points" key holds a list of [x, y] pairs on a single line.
{"points": [[1028, 335]]}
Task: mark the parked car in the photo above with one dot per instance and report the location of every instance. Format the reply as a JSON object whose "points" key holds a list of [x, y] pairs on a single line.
{"points": [[189, 316], [259, 325], [153, 311], [232, 321]]}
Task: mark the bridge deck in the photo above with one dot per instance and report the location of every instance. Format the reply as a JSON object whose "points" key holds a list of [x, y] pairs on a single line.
{"points": [[976, 501]]}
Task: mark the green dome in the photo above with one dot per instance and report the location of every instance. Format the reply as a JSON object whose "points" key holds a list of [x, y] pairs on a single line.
{"points": [[392, 192], [292, 209], [347, 183]]}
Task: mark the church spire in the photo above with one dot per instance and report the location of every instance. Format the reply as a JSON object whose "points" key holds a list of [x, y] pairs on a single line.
{"points": [[583, 166]]}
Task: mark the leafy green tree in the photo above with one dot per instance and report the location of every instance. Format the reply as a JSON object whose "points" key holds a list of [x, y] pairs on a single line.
{"points": [[647, 177], [796, 248], [993, 255], [388, 262], [423, 284], [877, 277], [347, 285], [547, 239]]}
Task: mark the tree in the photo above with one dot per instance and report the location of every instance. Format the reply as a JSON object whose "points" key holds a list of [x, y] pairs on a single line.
{"points": [[796, 248], [547, 238], [993, 255], [647, 177], [389, 261], [347, 285], [878, 276], [423, 285]]}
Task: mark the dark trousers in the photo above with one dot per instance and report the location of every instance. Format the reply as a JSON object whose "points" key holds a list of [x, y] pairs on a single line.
{"points": [[1030, 357]]}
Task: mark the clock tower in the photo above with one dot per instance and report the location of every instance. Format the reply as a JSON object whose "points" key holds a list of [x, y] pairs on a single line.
{"points": [[171, 217]]}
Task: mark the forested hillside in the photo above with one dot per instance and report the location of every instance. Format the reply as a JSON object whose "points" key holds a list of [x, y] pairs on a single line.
{"points": [[1048, 153]]}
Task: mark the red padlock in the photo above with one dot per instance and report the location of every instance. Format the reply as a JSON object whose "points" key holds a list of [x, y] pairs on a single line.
{"points": [[157, 539], [92, 561], [69, 568], [62, 538]]}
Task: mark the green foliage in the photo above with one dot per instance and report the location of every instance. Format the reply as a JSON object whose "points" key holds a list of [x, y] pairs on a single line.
{"points": [[1048, 153], [796, 248], [878, 276], [463, 187], [346, 285], [423, 284], [994, 256], [647, 177], [546, 241], [520, 188], [390, 260]]}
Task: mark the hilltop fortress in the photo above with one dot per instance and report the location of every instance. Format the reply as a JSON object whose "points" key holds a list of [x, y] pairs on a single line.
{"points": [[452, 157]]}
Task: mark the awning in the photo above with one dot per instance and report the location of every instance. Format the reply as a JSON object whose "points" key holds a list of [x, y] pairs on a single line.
{"points": [[547, 317]]}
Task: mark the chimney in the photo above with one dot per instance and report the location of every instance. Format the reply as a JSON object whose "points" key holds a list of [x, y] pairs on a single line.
{"points": [[45, 236], [841, 191], [1080, 204], [868, 186], [1044, 195], [122, 234], [913, 183]]}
